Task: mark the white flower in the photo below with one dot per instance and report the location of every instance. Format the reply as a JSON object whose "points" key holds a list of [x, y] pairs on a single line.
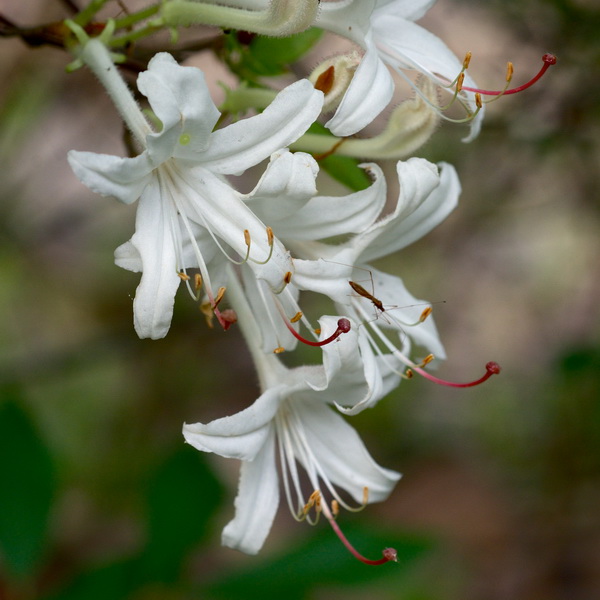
{"points": [[188, 214], [291, 423], [385, 29], [427, 195]]}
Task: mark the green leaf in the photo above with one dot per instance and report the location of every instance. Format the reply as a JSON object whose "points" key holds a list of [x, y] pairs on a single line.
{"points": [[182, 498], [27, 488], [342, 168], [267, 56], [322, 560]]}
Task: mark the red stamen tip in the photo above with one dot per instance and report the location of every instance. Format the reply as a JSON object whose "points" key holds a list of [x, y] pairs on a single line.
{"points": [[390, 554], [343, 326], [493, 368]]}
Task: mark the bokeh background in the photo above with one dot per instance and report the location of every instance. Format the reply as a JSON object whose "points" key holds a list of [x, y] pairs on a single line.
{"points": [[100, 498]]}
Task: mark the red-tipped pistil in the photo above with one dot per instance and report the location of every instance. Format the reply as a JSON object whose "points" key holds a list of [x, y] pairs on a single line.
{"points": [[343, 326], [491, 368], [549, 60]]}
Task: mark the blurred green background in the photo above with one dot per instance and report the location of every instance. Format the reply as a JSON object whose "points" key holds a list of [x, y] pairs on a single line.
{"points": [[99, 497]]}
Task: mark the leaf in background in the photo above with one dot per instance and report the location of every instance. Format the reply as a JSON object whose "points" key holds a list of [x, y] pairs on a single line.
{"points": [[322, 560], [182, 498], [342, 168], [26, 490], [267, 56]]}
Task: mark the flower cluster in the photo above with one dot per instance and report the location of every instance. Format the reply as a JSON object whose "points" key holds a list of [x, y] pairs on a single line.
{"points": [[248, 257]]}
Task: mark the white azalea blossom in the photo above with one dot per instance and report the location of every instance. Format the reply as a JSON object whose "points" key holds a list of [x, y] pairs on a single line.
{"points": [[428, 193], [293, 422], [179, 180], [386, 31]]}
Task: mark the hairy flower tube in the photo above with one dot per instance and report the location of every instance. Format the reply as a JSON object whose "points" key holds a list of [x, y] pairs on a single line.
{"points": [[188, 214]]}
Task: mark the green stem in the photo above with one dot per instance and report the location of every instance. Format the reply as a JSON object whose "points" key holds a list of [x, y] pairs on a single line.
{"points": [[134, 18], [89, 12], [134, 35]]}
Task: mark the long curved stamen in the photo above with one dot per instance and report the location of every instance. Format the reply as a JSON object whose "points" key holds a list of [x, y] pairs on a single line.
{"points": [[389, 554], [548, 59], [492, 368], [343, 326]]}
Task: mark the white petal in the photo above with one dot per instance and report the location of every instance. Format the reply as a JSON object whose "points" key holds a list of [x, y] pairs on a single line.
{"points": [[403, 44], [342, 455], [244, 144], [421, 207], [369, 93], [256, 502], [288, 182], [328, 216], [412, 10], [348, 18], [181, 100], [154, 297], [241, 435], [123, 178], [127, 256]]}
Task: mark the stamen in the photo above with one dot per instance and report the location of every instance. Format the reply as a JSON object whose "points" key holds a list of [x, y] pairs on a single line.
{"points": [[548, 59], [287, 277], [467, 61], [343, 326], [335, 508], [425, 314], [219, 297], [491, 368], [183, 276], [296, 317], [270, 238], [279, 350], [389, 554], [197, 282]]}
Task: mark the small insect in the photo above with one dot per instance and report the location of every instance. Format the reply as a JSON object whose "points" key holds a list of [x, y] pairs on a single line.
{"points": [[360, 290]]}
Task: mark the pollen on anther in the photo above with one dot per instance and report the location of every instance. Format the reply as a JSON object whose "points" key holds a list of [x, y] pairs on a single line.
{"points": [[296, 317], [425, 314], [183, 276], [197, 281], [467, 60], [270, 236], [247, 239], [509, 72], [219, 296], [279, 350], [335, 508], [287, 277]]}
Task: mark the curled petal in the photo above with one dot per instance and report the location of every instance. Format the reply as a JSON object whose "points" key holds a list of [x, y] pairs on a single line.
{"points": [[244, 144], [123, 178], [241, 435]]}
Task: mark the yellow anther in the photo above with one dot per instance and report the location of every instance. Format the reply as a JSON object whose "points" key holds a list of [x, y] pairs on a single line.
{"points": [[408, 374], [287, 277], [183, 276], [509, 72], [467, 61], [335, 508], [206, 310], [365, 495], [427, 360], [197, 281], [459, 82], [279, 350], [270, 236], [478, 101], [296, 317], [247, 237], [425, 314], [318, 331], [219, 297]]}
